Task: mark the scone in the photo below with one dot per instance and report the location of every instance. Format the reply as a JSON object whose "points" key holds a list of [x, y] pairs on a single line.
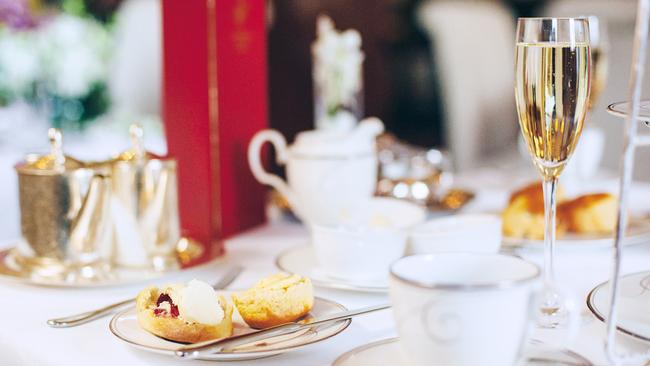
{"points": [[590, 213], [524, 216], [275, 300], [185, 313]]}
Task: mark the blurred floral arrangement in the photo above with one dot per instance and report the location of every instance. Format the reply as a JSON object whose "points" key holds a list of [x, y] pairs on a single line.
{"points": [[54, 56], [337, 75]]}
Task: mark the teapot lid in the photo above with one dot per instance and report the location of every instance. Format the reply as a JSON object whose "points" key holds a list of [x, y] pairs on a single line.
{"points": [[339, 143], [53, 163], [137, 152]]}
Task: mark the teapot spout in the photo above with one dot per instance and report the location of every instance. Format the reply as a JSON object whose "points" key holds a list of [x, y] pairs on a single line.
{"points": [[88, 229]]}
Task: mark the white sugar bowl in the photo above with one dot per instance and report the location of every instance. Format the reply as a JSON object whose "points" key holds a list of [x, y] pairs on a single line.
{"points": [[367, 240], [478, 233]]}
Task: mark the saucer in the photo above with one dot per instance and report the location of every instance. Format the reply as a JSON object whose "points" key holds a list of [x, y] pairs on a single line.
{"points": [[302, 260], [634, 297], [389, 352], [124, 326], [18, 269]]}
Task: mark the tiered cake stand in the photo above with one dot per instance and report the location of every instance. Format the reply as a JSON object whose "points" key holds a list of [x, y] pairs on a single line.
{"points": [[634, 111]]}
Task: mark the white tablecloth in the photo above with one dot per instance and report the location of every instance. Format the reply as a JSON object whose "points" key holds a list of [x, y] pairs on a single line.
{"points": [[25, 340]]}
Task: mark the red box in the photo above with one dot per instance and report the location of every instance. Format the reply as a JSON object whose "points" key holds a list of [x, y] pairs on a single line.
{"points": [[214, 100]]}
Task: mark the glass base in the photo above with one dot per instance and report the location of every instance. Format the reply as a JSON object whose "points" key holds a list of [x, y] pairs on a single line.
{"points": [[551, 312], [553, 308]]}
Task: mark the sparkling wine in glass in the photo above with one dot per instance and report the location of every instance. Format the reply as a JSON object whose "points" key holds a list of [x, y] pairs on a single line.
{"points": [[553, 73]]}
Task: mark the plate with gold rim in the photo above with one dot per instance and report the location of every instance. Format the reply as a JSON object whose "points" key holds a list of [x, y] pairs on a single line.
{"points": [[124, 326], [389, 352], [302, 260], [42, 272], [634, 297]]}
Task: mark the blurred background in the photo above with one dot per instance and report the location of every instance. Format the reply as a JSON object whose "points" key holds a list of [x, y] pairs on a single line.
{"points": [[438, 73]]}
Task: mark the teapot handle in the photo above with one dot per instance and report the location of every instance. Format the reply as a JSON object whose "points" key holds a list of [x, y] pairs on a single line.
{"points": [[282, 154]]}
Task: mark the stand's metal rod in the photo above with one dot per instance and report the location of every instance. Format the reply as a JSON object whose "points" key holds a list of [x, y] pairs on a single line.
{"points": [[627, 167], [642, 141]]}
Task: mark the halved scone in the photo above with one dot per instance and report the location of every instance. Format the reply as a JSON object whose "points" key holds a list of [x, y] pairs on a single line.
{"points": [[184, 313], [275, 300]]}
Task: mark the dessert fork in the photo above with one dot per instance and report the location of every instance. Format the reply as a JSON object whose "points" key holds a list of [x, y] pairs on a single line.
{"points": [[88, 316]]}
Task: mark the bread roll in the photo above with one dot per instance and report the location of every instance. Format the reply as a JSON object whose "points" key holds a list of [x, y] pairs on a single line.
{"points": [[524, 216], [590, 214]]}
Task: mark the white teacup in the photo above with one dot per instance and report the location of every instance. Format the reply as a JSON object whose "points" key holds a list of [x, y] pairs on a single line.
{"points": [[478, 233], [365, 243], [327, 171], [463, 309]]}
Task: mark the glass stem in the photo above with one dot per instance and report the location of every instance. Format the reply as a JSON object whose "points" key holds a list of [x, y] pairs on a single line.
{"points": [[550, 205]]}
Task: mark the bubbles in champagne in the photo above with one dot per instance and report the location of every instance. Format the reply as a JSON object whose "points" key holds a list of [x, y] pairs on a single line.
{"points": [[552, 94]]}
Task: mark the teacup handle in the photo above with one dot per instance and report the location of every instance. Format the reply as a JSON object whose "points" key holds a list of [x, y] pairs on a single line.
{"points": [[282, 154]]}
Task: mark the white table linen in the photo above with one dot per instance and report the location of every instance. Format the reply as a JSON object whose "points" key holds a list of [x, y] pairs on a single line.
{"points": [[25, 340]]}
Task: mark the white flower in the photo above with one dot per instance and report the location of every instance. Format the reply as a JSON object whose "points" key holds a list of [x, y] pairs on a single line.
{"points": [[75, 54], [337, 63], [19, 63]]}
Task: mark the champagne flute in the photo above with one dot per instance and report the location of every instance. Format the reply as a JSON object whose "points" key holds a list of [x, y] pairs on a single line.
{"points": [[553, 76]]}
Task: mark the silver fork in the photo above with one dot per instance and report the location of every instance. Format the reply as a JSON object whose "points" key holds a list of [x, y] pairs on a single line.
{"points": [[88, 316]]}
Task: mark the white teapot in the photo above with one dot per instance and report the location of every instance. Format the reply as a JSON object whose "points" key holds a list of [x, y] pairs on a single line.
{"points": [[328, 171]]}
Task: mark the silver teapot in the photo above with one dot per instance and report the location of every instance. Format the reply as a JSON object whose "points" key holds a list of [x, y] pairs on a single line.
{"points": [[144, 207]]}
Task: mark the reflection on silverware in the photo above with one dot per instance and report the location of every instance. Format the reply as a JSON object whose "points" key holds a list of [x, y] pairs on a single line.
{"points": [[64, 215], [230, 344], [144, 206], [188, 250], [51, 272], [410, 172], [453, 199], [78, 319]]}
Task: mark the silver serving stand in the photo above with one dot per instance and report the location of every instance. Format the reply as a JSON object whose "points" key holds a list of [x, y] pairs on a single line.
{"points": [[631, 141]]}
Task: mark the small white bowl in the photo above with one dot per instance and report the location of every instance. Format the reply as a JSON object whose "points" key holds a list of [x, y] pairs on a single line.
{"points": [[478, 233], [367, 241]]}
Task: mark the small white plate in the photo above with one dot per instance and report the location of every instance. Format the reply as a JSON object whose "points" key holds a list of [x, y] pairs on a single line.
{"points": [[389, 352], [124, 326], [634, 301], [638, 232], [302, 260]]}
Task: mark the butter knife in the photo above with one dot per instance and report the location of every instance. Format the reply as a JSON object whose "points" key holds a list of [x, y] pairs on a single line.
{"points": [[88, 316], [226, 345]]}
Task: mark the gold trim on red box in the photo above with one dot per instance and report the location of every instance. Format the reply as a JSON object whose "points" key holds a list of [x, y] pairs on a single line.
{"points": [[216, 216]]}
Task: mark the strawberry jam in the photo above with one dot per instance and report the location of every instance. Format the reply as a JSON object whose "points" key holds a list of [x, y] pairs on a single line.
{"points": [[162, 312]]}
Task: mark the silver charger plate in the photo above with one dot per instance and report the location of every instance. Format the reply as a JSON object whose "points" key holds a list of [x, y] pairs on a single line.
{"points": [[302, 260], [389, 352], [634, 302], [124, 325], [638, 232], [11, 271]]}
